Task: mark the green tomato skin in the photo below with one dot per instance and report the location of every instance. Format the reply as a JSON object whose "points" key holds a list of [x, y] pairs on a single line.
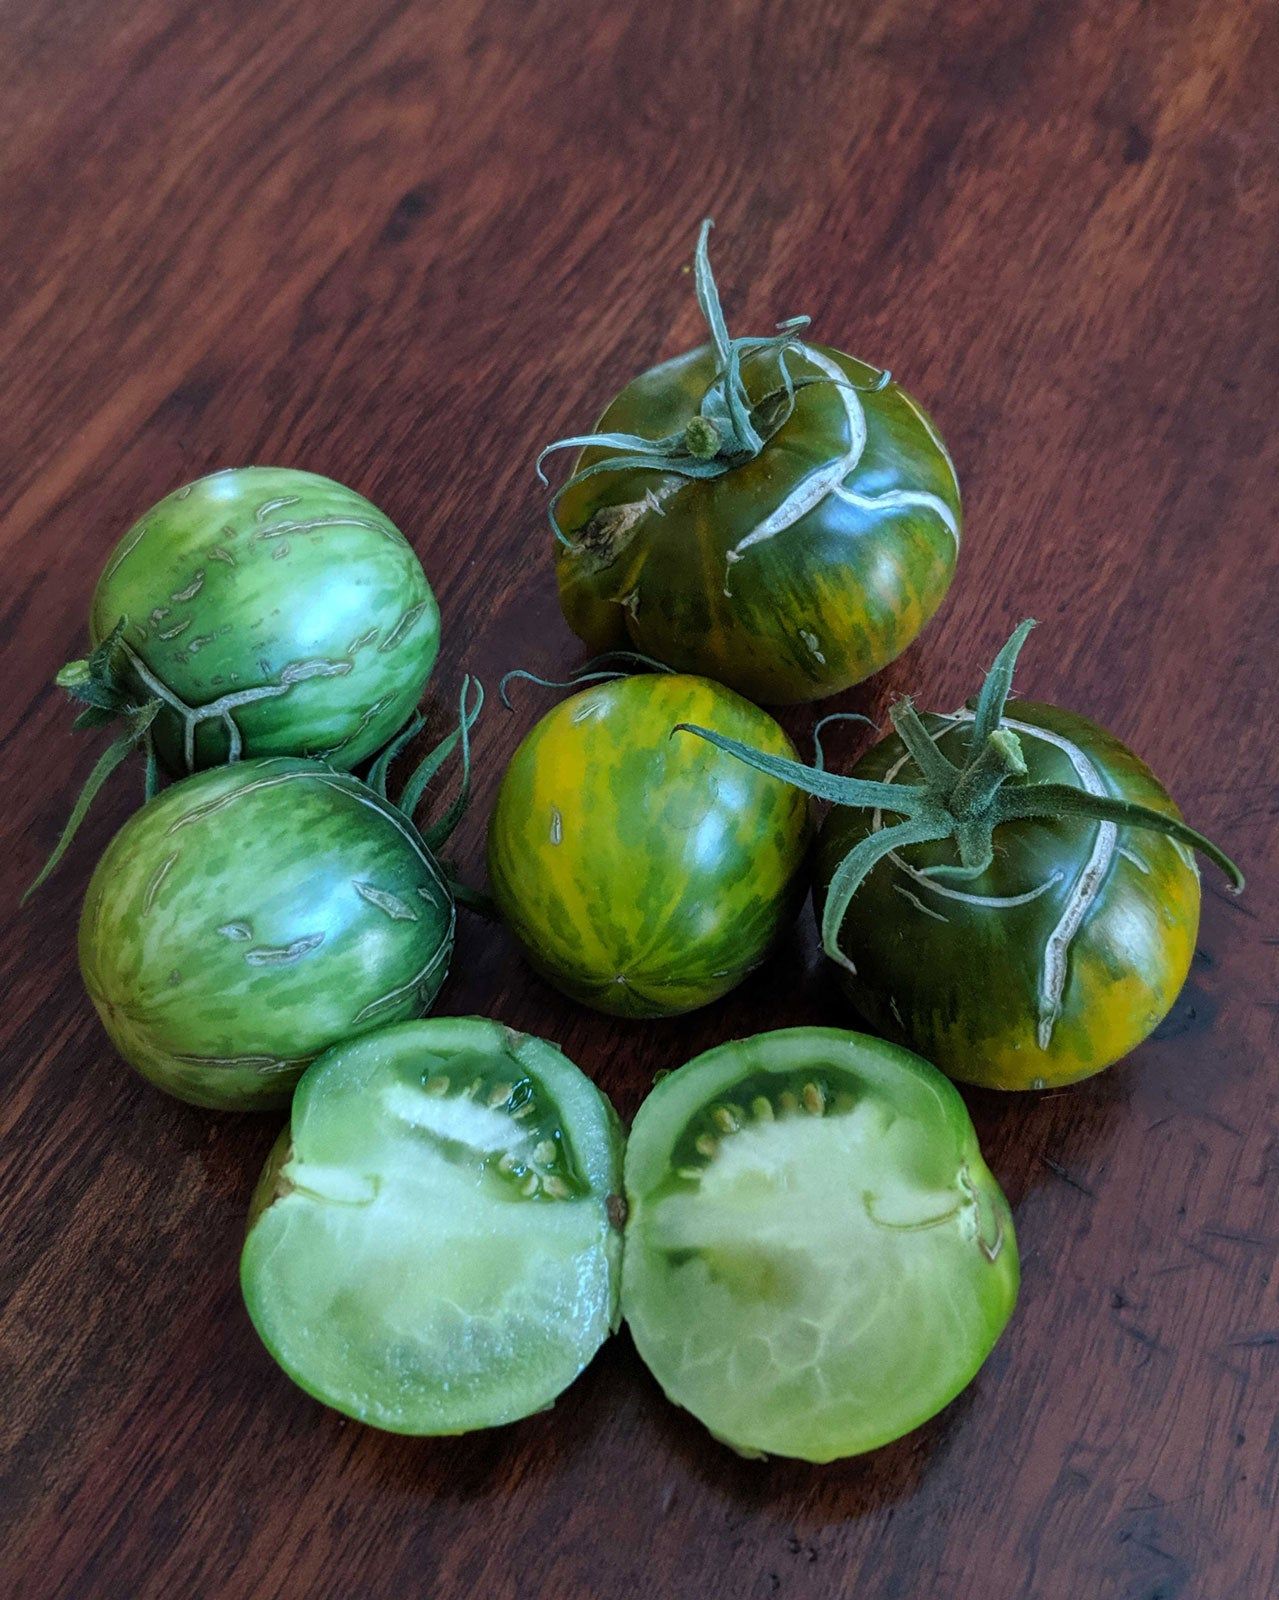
{"points": [[404, 1278], [802, 613], [991, 979], [251, 916], [645, 873], [812, 1277], [285, 598]]}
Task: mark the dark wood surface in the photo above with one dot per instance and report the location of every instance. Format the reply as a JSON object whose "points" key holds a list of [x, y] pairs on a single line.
{"points": [[406, 244]]}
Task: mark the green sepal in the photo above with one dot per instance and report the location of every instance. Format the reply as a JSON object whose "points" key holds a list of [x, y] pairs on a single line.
{"points": [[119, 748], [966, 805]]}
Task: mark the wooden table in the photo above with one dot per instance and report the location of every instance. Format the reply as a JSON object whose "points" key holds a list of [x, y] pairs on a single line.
{"points": [[405, 245]]}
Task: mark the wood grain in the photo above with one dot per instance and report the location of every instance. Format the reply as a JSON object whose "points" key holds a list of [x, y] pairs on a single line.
{"points": [[404, 245]]}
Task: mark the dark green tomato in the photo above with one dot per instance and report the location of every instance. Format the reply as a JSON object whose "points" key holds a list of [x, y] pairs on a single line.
{"points": [[817, 1257], [253, 915], [434, 1243], [273, 612], [1060, 958], [789, 577], [646, 874]]}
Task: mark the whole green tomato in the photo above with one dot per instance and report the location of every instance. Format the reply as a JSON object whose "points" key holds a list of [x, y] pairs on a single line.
{"points": [[817, 1258], [643, 875], [1029, 914], [769, 512], [269, 612], [251, 916]]}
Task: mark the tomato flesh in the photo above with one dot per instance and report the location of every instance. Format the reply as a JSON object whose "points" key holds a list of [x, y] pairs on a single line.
{"points": [[431, 1250], [817, 1257]]}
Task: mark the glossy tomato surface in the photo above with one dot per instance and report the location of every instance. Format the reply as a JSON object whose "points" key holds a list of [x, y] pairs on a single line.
{"points": [[433, 1246], [1060, 958], [272, 609], [789, 577], [644, 872], [251, 916], [817, 1257]]}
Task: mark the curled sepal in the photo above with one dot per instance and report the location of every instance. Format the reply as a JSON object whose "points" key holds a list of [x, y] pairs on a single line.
{"points": [[998, 685], [137, 732], [1046, 801], [393, 748], [592, 671], [852, 871], [819, 752], [901, 797], [411, 795]]}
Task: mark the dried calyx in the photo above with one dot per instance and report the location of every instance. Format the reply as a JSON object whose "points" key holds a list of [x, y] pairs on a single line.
{"points": [[964, 803], [729, 426]]}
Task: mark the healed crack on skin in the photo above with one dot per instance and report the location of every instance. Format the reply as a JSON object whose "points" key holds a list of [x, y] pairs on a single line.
{"points": [[1054, 961], [897, 499], [268, 506], [384, 900], [157, 878], [919, 905], [283, 955], [814, 489], [990, 1251], [403, 625], [266, 1066], [280, 530]]}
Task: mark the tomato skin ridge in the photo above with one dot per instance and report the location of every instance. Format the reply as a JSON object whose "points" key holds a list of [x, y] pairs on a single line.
{"points": [[641, 877]]}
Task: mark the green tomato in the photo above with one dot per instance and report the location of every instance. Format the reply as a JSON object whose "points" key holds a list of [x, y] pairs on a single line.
{"points": [[1058, 959], [817, 1257], [433, 1246], [771, 513], [272, 612], [646, 874], [251, 916]]}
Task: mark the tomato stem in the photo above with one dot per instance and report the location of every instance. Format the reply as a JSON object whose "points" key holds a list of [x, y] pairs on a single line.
{"points": [[729, 426]]}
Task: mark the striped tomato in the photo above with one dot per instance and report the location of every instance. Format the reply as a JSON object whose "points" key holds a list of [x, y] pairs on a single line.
{"points": [[769, 512], [1014, 896], [646, 875]]}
